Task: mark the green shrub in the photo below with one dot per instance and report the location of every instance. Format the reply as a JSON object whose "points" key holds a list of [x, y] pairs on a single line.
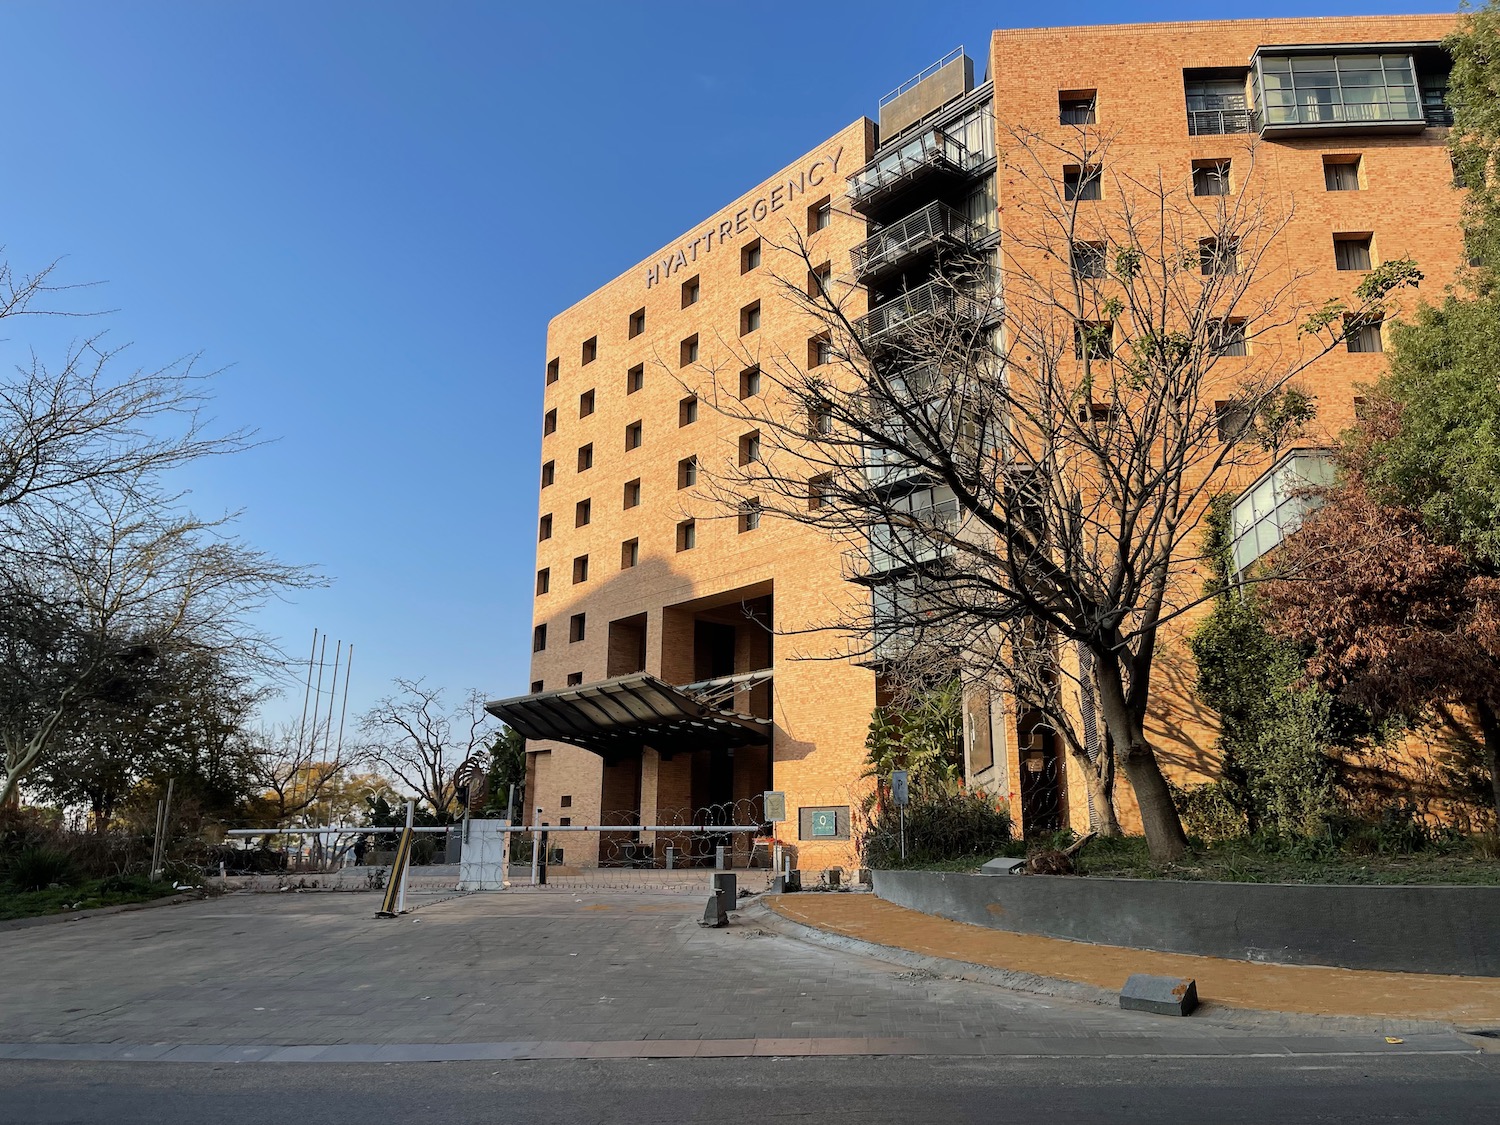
{"points": [[940, 827], [37, 867]]}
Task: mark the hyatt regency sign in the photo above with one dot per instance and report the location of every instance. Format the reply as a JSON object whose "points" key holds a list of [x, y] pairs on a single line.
{"points": [[807, 180]]}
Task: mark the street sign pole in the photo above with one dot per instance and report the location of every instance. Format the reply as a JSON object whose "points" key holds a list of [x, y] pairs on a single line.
{"points": [[900, 796]]}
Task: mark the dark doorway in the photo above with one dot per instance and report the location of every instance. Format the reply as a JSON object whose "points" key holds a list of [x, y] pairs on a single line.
{"points": [[1041, 775], [713, 649]]}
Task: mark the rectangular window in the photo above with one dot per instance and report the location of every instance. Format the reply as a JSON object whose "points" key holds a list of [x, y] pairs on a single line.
{"points": [[1227, 337], [580, 569], [1095, 339], [633, 436], [577, 626], [819, 419], [1088, 259], [635, 378], [1210, 177], [1341, 173], [1077, 107], [591, 349], [554, 369], [549, 422], [536, 687], [750, 257], [565, 802], [691, 291], [687, 535], [544, 529], [687, 411], [585, 457], [1351, 251], [688, 351], [633, 493], [575, 679], [687, 472], [1362, 335], [750, 448], [543, 580], [1097, 413], [630, 553], [1085, 182], [1235, 422], [582, 513], [637, 323], [749, 516], [585, 404], [549, 473], [1344, 89], [750, 382], [819, 215], [817, 491], [539, 638], [1216, 102], [819, 351], [750, 318], [1218, 257], [819, 279]]}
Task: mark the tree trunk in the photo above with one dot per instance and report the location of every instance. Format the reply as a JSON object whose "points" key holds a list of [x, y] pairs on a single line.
{"points": [[1489, 726], [1099, 777], [1137, 757]]}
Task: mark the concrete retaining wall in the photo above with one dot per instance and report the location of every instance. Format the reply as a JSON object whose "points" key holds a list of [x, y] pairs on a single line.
{"points": [[1403, 929]]}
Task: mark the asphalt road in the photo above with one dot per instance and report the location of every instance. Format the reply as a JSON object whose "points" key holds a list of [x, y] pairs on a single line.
{"points": [[1443, 1089]]}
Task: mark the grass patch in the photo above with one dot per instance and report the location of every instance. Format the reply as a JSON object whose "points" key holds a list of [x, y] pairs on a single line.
{"points": [[113, 891]]}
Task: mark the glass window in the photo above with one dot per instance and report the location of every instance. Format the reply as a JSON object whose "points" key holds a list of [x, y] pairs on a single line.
{"points": [[1273, 507], [1341, 174], [1210, 177], [1337, 89]]}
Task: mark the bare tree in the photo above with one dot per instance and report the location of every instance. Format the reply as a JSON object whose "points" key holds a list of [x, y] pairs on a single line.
{"points": [[1017, 455], [293, 773], [412, 736]]}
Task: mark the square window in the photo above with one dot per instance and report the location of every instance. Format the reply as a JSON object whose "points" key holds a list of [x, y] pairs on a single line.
{"points": [[1227, 337], [819, 419], [691, 291], [1234, 420], [549, 422], [635, 378], [591, 349], [1077, 107], [565, 802], [749, 516], [549, 474], [750, 318], [1088, 259], [637, 323], [543, 580], [554, 369], [539, 638], [687, 535], [1341, 173], [687, 411], [819, 280], [750, 257], [1218, 257], [580, 569], [1085, 182], [630, 553], [1361, 335], [582, 513], [819, 351], [536, 687], [577, 627], [750, 448], [1095, 412], [633, 436], [1351, 251], [563, 820], [750, 382], [633, 493], [575, 679], [1211, 177], [1094, 339], [544, 528], [687, 472], [817, 491], [585, 404], [820, 215], [586, 457], [688, 351]]}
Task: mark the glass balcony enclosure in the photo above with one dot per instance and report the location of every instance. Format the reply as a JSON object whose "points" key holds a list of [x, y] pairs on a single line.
{"points": [[1272, 508], [1345, 88], [1217, 105], [932, 152], [903, 241], [914, 307], [924, 519]]}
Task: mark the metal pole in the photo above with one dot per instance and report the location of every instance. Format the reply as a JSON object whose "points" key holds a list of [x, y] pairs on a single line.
{"points": [[344, 710], [903, 833], [411, 812], [510, 804], [312, 745], [333, 693], [536, 846], [306, 692], [156, 846]]}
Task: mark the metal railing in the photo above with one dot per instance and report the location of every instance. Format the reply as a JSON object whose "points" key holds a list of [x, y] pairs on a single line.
{"points": [[891, 549], [934, 224], [931, 150], [924, 74], [1209, 122], [920, 305]]}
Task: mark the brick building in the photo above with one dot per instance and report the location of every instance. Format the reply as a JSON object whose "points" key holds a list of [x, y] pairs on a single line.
{"points": [[678, 669]]}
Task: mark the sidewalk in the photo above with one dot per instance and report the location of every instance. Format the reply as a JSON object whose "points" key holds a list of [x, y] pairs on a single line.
{"points": [[1304, 990]]}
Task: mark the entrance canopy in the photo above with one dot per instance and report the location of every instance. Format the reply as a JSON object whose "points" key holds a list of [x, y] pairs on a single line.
{"points": [[624, 715]]}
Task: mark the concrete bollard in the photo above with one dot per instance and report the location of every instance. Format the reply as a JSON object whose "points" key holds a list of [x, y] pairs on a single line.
{"points": [[1165, 996], [793, 879], [715, 915], [719, 857], [671, 853], [727, 885]]}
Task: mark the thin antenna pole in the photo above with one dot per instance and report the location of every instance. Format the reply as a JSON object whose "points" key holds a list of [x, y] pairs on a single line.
{"points": [[318, 701], [333, 692], [302, 729], [348, 671]]}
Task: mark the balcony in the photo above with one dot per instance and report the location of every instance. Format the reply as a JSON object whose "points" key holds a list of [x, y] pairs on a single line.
{"points": [[1216, 121], [936, 304], [1348, 91], [930, 155], [894, 551], [903, 242]]}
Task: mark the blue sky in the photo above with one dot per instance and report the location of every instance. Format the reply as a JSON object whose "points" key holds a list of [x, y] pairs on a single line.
{"points": [[368, 211]]}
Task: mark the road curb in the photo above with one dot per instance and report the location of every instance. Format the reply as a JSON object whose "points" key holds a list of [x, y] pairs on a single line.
{"points": [[96, 912], [760, 913]]}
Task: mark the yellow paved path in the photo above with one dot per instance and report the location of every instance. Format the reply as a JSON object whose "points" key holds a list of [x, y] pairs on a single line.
{"points": [[1241, 984]]}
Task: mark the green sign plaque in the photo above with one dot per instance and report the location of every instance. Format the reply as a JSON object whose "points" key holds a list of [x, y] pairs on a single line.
{"points": [[825, 822]]}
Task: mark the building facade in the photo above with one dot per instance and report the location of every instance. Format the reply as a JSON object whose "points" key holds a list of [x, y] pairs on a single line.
{"points": [[679, 671]]}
